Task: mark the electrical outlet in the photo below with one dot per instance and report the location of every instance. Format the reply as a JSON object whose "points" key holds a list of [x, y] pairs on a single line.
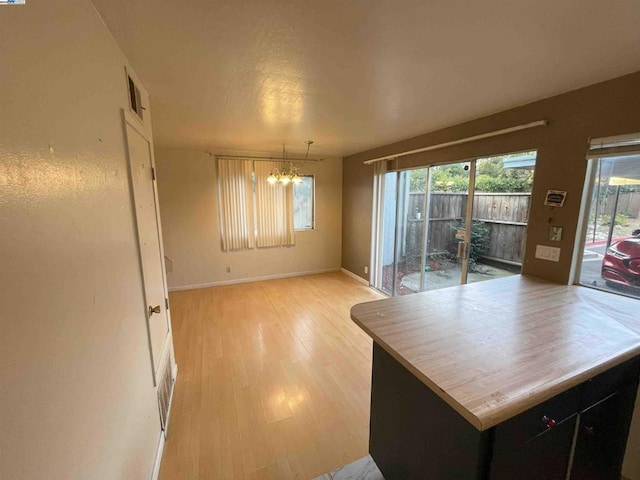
{"points": [[228, 269], [366, 269], [551, 254]]}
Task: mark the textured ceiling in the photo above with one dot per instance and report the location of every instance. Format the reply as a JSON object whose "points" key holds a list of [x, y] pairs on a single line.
{"points": [[355, 74]]}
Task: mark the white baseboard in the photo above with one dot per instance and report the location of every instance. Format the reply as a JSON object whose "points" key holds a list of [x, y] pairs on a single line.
{"points": [[249, 280], [356, 277], [158, 460]]}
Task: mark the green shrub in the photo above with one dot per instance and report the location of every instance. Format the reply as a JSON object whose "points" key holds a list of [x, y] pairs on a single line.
{"points": [[480, 240], [621, 219]]}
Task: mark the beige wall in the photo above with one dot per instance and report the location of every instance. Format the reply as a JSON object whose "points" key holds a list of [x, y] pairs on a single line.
{"points": [[76, 387], [189, 210], [608, 108]]}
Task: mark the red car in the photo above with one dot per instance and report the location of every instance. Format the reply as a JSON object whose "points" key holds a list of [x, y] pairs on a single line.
{"points": [[621, 264]]}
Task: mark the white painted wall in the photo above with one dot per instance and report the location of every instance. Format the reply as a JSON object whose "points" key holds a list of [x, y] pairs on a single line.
{"points": [[76, 387], [189, 209]]}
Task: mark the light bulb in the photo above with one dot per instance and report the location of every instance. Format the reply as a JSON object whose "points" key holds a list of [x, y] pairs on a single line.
{"points": [[284, 180], [272, 179], [296, 179]]}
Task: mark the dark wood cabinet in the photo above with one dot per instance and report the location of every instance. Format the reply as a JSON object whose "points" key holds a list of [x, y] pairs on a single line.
{"points": [[416, 435], [602, 435], [600, 430], [544, 456]]}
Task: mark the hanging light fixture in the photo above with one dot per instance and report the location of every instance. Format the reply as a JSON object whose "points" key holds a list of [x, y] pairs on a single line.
{"points": [[284, 178], [287, 173]]}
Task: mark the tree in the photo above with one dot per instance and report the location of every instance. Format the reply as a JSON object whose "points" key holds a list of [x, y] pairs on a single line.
{"points": [[491, 176], [418, 180]]}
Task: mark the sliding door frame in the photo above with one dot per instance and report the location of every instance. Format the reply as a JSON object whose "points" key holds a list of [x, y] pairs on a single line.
{"points": [[377, 248]]}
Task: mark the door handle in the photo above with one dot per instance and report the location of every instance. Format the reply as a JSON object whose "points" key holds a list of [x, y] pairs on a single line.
{"points": [[153, 310]]}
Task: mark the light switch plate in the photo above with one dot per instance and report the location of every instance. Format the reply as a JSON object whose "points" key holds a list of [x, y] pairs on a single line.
{"points": [[555, 234], [551, 254]]}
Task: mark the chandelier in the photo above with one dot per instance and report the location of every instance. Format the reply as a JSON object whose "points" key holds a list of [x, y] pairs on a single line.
{"points": [[287, 173], [284, 175]]}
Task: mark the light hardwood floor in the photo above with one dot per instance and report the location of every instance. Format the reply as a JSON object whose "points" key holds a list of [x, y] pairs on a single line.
{"points": [[274, 380]]}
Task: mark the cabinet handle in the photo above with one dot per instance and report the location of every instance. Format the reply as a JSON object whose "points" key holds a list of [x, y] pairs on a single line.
{"points": [[549, 422]]}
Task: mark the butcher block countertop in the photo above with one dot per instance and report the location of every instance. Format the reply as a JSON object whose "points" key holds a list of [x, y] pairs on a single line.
{"points": [[494, 349]]}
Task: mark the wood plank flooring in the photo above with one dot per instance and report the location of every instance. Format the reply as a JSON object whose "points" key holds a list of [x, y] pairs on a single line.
{"points": [[274, 380]]}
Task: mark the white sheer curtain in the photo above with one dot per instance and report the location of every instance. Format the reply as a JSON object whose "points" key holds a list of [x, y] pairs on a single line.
{"points": [[235, 199], [274, 209]]}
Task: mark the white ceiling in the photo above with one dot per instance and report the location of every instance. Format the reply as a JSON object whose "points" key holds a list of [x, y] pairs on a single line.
{"points": [[355, 74]]}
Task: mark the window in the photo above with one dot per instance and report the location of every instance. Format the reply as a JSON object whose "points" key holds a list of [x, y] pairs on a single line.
{"points": [[235, 204], [611, 217], [252, 212], [303, 203]]}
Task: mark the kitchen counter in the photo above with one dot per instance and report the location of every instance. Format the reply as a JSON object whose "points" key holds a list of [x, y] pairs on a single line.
{"points": [[494, 349]]}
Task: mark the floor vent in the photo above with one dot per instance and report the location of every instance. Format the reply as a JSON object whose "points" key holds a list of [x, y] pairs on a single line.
{"points": [[165, 392]]}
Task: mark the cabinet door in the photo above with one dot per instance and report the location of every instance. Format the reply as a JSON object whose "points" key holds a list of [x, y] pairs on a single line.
{"points": [[602, 437], [536, 444], [544, 457]]}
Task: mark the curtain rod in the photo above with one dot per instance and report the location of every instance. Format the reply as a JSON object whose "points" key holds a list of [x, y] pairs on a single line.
{"points": [[525, 126], [266, 159]]}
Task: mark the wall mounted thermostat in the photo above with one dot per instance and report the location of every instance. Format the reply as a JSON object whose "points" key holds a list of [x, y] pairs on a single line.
{"points": [[555, 198], [555, 234]]}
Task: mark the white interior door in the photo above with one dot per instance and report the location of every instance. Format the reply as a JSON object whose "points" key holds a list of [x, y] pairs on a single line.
{"points": [[149, 239]]}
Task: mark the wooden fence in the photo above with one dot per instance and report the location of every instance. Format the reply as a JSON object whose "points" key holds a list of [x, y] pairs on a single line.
{"points": [[505, 214], [629, 204]]}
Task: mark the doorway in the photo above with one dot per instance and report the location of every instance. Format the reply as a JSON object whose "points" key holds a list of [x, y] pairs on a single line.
{"points": [[450, 224]]}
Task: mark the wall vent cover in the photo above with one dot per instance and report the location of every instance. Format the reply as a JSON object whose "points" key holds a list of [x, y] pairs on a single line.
{"points": [[134, 97], [165, 392]]}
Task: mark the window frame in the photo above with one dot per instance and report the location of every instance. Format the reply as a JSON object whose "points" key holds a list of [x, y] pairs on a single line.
{"points": [[313, 204], [593, 158]]}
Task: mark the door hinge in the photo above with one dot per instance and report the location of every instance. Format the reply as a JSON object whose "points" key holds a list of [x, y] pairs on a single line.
{"points": [[166, 303], [153, 173]]}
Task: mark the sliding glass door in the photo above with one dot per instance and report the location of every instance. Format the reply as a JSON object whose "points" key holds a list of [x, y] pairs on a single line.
{"points": [[446, 234], [451, 224], [502, 198], [388, 266], [402, 232], [410, 231]]}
